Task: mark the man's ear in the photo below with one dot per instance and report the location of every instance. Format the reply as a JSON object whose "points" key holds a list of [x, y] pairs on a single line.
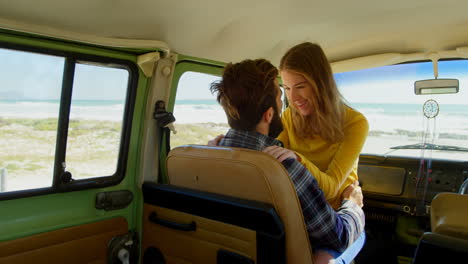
{"points": [[268, 115]]}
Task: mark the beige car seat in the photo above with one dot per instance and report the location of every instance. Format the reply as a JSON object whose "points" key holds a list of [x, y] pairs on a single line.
{"points": [[240, 173]]}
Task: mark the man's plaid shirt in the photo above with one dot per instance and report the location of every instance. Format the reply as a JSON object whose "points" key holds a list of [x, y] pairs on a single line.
{"points": [[326, 228]]}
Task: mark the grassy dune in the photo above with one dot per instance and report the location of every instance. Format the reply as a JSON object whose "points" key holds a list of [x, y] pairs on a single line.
{"points": [[27, 147], [198, 133]]}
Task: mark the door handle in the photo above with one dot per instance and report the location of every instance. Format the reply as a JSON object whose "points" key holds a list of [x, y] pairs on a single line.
{"points": [[173, 225]]}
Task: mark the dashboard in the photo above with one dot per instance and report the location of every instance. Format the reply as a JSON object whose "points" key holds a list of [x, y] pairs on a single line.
{"points": [[399, 183]]}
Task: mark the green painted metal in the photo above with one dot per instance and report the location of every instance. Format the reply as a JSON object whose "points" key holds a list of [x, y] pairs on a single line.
{"points": [[182, 58], [133, 164], [65, 46], [28, 216], [32, 215], [138, 51]]}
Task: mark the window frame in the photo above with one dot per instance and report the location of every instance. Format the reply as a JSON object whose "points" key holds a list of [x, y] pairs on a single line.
{"points": [[70, 59]]}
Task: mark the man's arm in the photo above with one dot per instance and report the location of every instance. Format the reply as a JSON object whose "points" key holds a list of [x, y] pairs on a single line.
{"points": [[326, 228]]}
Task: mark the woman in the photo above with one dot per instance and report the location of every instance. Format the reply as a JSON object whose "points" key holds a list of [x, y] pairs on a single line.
{"points": [[320, 130]]}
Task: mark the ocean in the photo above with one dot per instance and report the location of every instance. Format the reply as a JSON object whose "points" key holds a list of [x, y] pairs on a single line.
{"points": [[388, 118], [111, 110]]}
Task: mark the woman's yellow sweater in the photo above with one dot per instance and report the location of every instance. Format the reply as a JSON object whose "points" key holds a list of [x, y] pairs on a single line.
{"points": [[333, 165]]}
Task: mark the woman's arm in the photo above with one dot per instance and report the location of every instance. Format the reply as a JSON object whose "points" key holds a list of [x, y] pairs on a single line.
{"points": [[331, 180]]}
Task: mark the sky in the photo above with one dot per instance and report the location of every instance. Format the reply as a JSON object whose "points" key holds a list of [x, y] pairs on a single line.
{"points": [[389, 84], [192, 86], [395, 83], [30, 76]]}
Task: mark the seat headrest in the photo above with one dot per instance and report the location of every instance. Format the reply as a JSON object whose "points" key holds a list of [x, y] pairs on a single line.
{"points": [[237, 172]]}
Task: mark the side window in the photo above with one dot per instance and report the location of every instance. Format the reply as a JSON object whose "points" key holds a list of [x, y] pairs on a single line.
{"points": [[96, 117], [48, 127], [30, 87], [398, 127], [199, 117]]}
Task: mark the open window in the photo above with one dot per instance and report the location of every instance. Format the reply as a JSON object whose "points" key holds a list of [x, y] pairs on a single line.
{"points": [[64, 121], [199, 117]]}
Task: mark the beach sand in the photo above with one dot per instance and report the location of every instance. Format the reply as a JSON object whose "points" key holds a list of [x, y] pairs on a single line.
{"points": [[28, 149]]}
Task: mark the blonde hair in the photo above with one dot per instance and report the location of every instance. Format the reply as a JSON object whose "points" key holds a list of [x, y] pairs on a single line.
{"points": [[327, 119]]}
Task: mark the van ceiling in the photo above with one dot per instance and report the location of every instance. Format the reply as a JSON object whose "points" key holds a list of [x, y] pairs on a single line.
{"points": [[234, 30]]}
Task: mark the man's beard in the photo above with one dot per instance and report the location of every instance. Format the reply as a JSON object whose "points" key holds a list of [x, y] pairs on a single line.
{"points": [[276, 126]]}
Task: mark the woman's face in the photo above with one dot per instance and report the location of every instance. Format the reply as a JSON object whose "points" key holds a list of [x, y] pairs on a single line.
{"points": [[298, 90]]}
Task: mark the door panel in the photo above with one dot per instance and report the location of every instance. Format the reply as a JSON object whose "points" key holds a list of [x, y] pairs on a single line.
{"points": [[183, 225], [200, 246], [79, 244]]}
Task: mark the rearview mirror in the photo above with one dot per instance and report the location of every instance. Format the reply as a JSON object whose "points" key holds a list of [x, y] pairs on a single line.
{"points": [[436, 86]]}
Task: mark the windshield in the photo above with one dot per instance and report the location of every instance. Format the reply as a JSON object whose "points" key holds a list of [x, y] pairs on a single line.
{"points": [[397, 124]]}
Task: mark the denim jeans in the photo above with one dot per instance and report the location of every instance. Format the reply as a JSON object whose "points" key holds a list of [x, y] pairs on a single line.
{"points": [[350, 253]]}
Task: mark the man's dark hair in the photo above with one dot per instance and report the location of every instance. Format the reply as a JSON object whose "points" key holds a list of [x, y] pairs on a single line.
{"points": [[247, 89]]}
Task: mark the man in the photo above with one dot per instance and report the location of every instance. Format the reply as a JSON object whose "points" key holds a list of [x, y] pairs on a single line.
{"points": [[251, 97]]}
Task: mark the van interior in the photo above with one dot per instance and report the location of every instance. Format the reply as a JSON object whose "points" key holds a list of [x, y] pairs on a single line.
{"points": [[105, 113]]}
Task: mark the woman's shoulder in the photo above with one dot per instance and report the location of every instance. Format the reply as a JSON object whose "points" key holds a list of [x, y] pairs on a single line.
{"points": [[286, 116], [354, 117]]}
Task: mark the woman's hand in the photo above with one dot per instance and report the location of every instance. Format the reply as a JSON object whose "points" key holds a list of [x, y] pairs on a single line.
{"points": [[354, 193], [280, 153], [214, 142]]}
